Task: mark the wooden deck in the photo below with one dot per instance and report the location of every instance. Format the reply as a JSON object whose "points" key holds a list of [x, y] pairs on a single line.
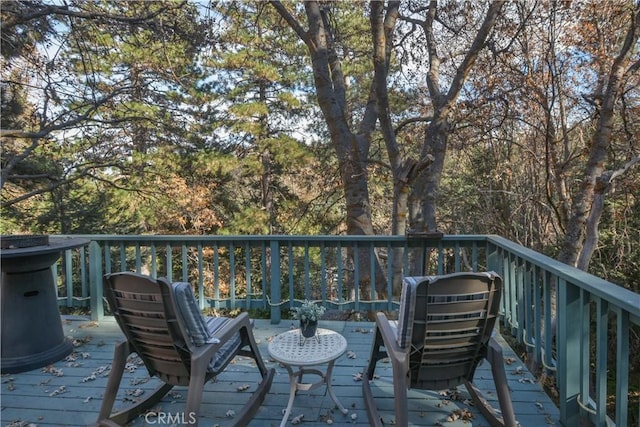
{"points": [[69, 392]]}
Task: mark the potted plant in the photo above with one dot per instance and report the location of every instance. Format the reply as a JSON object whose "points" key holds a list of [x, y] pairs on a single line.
{"points": [[308, 314]]}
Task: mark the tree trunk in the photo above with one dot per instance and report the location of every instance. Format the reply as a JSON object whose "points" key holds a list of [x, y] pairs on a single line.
{"points": [[435, 145], [426, 188], [352, 149], [574, 238]]}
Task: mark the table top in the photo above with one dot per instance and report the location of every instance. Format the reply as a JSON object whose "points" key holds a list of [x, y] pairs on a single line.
{"points": [[55, 245], [285, 348]]}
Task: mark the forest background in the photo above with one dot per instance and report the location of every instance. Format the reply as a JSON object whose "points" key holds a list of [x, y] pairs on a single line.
{"points": [[519, 118]]}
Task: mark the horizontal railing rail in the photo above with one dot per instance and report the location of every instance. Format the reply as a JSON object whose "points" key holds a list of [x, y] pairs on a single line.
{"points": [[566, 318]]}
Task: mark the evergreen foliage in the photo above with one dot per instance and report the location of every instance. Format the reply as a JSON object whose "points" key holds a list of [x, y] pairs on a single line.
{"points": [[190, 118]]}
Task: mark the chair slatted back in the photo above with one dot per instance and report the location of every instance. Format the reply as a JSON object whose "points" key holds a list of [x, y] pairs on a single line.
{"points": [[149, 324], [454, 317]]}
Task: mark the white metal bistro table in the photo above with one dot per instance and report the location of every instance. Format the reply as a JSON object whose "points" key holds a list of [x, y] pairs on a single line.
{"points": [[326, 347]]}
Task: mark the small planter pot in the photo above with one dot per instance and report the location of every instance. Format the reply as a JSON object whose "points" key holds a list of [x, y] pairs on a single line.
{"points": [[308, 329]]}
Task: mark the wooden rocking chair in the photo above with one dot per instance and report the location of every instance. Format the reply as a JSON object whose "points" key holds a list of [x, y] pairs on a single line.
{"points": [[164, 326], [443, 332]]}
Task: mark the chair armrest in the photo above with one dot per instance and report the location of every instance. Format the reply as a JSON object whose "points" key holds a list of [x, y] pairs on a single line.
{"points": [[232, 327], [389, 338]]}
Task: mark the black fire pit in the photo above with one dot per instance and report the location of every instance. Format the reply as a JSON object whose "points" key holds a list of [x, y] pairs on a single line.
{"points": [[32, 335]]}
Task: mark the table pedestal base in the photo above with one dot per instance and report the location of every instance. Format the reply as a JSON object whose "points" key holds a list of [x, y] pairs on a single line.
{"points": [[32, 334], [295, 384], [14, 365], [289, 350]]}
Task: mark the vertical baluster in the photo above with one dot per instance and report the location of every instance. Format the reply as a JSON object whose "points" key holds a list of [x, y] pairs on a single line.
{"points": [[548, 281], [200, 275], [290, 268], [537, 314], [526, 325], [169, 261], [84, 285], [123, 257], [247, 267], [216, 275], [276, 286], [307, 285], [154, 260], [390, 260], [622, 367], [602, 332], [96, 277], [518, 289], [264, 270], [107, 260], [339, 273], [184, 251], [356, 276], [68, 275], [138, 258], [232, 274], [373, 262], [584, 356], [323, 273], [569, 371]]}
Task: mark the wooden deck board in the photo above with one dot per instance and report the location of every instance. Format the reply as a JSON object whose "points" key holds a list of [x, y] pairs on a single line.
{"points": [[70, 394]]}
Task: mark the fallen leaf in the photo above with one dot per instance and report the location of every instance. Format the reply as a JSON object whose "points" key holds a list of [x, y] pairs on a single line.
{"points": [[137, 381], [59, 390], [88, 378], [53, 371], [135, 393], [92, 324], [518, 371]]}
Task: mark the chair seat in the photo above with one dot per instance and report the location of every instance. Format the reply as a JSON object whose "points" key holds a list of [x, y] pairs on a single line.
{"points": [[228, 350]]}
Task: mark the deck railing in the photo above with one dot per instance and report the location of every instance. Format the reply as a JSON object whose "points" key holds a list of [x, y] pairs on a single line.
{"points": [[272, 273]]}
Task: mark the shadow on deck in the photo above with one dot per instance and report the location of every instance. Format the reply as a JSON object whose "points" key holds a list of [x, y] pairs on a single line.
{"points": [[69, 392]]}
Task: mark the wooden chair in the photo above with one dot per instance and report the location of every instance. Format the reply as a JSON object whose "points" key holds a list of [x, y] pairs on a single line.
{"points": [[164, 326], [443, 331]]}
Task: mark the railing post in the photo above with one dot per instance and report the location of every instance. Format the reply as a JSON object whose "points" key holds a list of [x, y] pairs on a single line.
{"points": [[95, 280], [494, 261], [568, 347], [276, 288]]}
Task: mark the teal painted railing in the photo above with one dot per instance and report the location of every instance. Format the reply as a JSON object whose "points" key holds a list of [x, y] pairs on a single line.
{"points": [[273, 272]]}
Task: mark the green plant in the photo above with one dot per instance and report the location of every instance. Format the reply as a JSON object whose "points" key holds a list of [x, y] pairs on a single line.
{"points": [[308, 311]]}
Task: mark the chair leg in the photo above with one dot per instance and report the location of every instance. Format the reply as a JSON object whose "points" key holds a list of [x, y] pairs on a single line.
{"points": [[400, 388], [120, 354], [496, 359], [372, 412], [507, 417], [251, 407], [141, 407], [253, 351], [253, 404]]}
